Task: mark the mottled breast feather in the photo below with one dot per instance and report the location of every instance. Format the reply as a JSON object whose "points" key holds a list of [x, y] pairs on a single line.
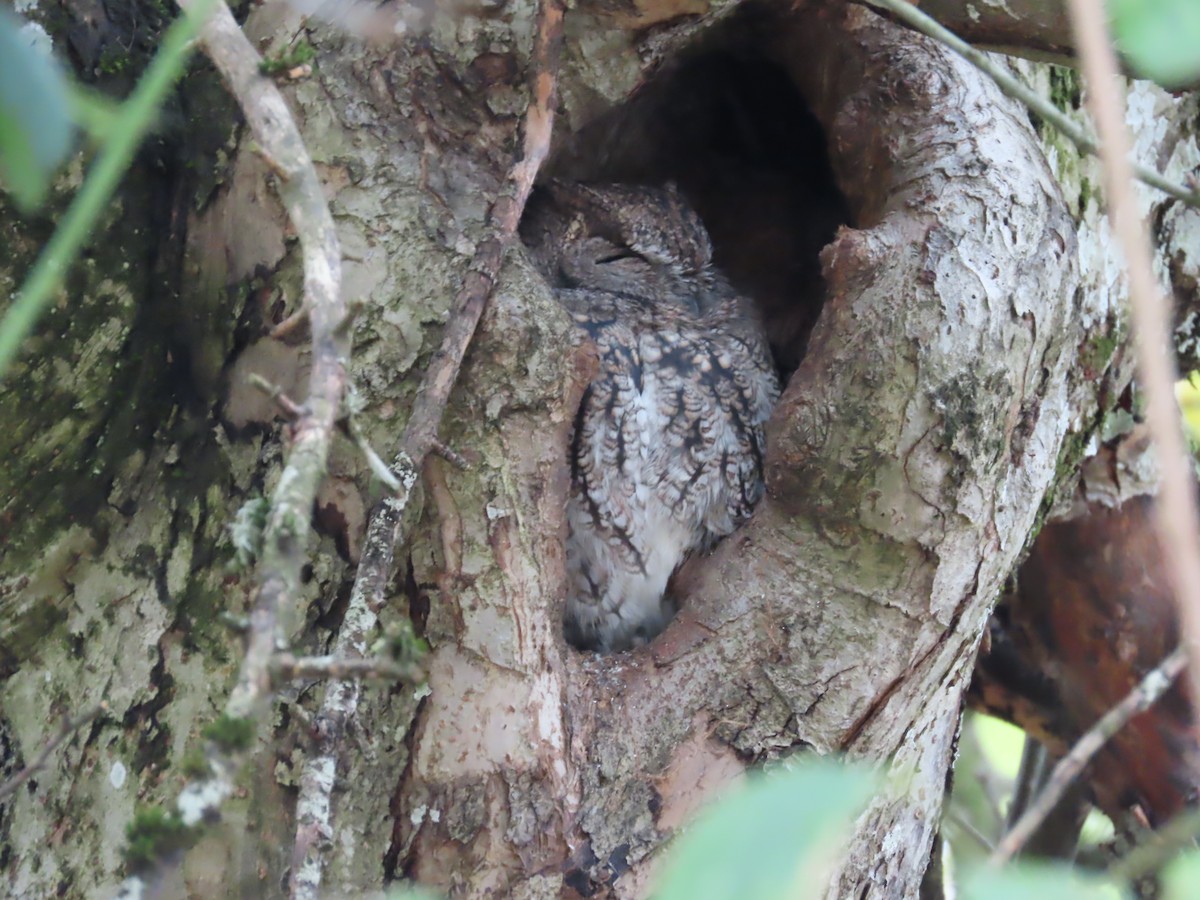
{"points": [[666, 454]]}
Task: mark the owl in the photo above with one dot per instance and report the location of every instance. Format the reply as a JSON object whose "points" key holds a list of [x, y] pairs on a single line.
{"points": [[666, 454]]}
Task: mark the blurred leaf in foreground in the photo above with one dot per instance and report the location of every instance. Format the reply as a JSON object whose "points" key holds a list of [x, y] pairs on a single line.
{"points": [[1161, 38], [1023, 880], [1181, 877], [35, 121], [772, 838]]}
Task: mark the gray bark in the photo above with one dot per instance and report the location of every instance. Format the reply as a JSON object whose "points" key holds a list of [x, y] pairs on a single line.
{"points": [[963, 349]]}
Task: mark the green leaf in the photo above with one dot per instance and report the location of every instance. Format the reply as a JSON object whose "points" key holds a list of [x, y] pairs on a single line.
{"points": [[1160, 38], [1180, 877], [112, 160], [35, 125], [1023, 880], [771, 839]]}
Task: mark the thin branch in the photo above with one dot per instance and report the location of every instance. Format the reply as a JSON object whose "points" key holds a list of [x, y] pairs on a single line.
{"points": [[289, 520], [378, 467], [314, 818], [289, 407], [455, 459], [1147, 858], [69, 727], [290, 325], [285, 665], [300, 189], [1141, 698], [960, 821], [1031, 776], [1011, 86], [1176, 512]]}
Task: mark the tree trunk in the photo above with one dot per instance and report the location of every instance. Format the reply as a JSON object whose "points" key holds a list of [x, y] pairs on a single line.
{"points": [[969, 335]]}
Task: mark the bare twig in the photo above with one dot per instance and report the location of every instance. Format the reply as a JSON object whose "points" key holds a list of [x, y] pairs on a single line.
{"points": [[289, 519], [289, 407], [1138, 700], [968, 828], [300, 190], [377, 465], [314, 821], [1011, 86], [69, 727], [290, 325], [285, 665], [451, 456], [1176, 513], [1147, 858], [1031, 776]]}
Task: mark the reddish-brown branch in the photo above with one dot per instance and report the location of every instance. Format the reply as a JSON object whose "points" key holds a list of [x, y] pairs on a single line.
{"points": [[1138, 700], [420, 435]]}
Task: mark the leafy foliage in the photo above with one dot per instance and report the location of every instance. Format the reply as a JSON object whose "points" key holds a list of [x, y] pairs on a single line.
{"points": [[230, 733], [153, 833], [125, 132]]}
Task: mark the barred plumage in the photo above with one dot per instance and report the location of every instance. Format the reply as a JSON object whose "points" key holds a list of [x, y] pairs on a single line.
{"points": [[666, 454]]}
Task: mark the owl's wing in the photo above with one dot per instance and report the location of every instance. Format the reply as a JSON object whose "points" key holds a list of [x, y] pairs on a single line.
{"points": [[608, 445]]}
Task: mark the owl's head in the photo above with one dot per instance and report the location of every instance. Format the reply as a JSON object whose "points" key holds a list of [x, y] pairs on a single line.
{"points": [[617, 237], [654, 223]]}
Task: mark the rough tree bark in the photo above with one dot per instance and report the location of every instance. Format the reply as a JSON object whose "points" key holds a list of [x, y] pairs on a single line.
{"points": [[970, 340]]}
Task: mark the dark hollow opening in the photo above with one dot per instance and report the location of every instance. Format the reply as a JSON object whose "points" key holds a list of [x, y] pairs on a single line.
{"points": [[730, 128], [725, 121]]}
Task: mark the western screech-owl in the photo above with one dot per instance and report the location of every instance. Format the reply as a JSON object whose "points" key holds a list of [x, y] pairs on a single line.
{"points": [[666, 454]]}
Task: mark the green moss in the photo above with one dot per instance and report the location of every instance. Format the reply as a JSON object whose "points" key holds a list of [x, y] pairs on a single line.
{"points": [[1100, 349], [1066, 88], [111, 362], [30, 630], [195, 765], [1070, 456], [154, 833], [1087, 192], [963, 422], [114, 60], [200, 616], [230, 733], [402, 644], [246, 532], [303, 52]]}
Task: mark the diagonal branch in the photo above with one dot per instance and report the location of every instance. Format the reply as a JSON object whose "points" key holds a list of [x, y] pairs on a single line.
{"points": [[1012, 87], [314, 816], [68, 727], [289, 519], [1140, 699]]}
